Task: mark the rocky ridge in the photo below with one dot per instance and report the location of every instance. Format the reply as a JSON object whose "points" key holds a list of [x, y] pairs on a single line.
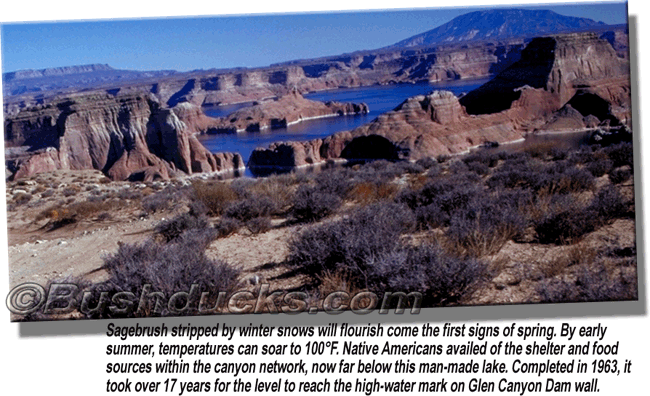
{"points": [[280, 113], [576, 70]]}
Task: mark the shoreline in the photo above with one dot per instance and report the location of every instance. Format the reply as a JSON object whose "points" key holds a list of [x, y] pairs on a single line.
{"points": [[298, 121], [464, 152]]}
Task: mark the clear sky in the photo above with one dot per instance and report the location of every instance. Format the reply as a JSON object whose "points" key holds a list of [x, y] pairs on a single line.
{"points": [[223, 42]]}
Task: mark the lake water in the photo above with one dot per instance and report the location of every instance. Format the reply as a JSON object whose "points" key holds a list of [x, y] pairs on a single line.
{"points": [[379, 99]]}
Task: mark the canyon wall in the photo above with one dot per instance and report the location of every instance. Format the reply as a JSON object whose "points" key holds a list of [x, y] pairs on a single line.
{"points": [[573, 76], [434, 64], [126, 137], [210, 88]]}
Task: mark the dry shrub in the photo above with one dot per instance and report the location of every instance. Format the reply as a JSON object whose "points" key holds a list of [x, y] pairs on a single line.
{"points": [[227, 226], [565, 226], [215, 196], [484, 230], [484, 157], [590, 283], [427, 163], [258, 225], [567, 220], [337, 282], [62, 215], [621, 154], [166, 199], [279, 188], [418, 181], [346, 245], [577, 254], [366, 192], [332, 282], [22, 198], [600, 167], [620, 175], [556, 266], [540, 204], [173, 228], [251, 207], [540, 149], [71, 190], [559, 177], [441, 278], [311, 204], [129, 194], [178, 266]]}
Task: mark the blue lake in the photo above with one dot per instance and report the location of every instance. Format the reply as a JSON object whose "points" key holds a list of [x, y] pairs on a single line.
{"points": [[380, 99]]}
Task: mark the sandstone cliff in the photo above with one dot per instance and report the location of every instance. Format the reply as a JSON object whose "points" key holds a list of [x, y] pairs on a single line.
{"points": [[562, 82], [126, 137], [440, 63], [288, 109]]}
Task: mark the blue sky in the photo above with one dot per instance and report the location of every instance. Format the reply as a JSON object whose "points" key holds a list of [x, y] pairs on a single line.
{"points": [[222, 42]]}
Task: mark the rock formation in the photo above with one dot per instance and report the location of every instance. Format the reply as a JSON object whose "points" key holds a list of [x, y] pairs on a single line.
{"points": [[210, 88], [564, 82], [126, 137], [619, 40], [289, 109]]}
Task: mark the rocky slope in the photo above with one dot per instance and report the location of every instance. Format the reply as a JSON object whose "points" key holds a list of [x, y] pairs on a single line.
{"points": [[286, 110], [126, 137], [498, 24], [577, 70]]}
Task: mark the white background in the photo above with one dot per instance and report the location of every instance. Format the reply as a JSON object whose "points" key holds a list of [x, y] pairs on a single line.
{"points": [[68, 358]]}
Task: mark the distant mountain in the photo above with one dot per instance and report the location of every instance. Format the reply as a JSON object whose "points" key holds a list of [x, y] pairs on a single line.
{"points": [[55, 71], [498, 24], [83, 76]]}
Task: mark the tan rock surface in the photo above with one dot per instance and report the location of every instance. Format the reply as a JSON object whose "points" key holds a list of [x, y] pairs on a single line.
{"points": [[121, 136]]}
